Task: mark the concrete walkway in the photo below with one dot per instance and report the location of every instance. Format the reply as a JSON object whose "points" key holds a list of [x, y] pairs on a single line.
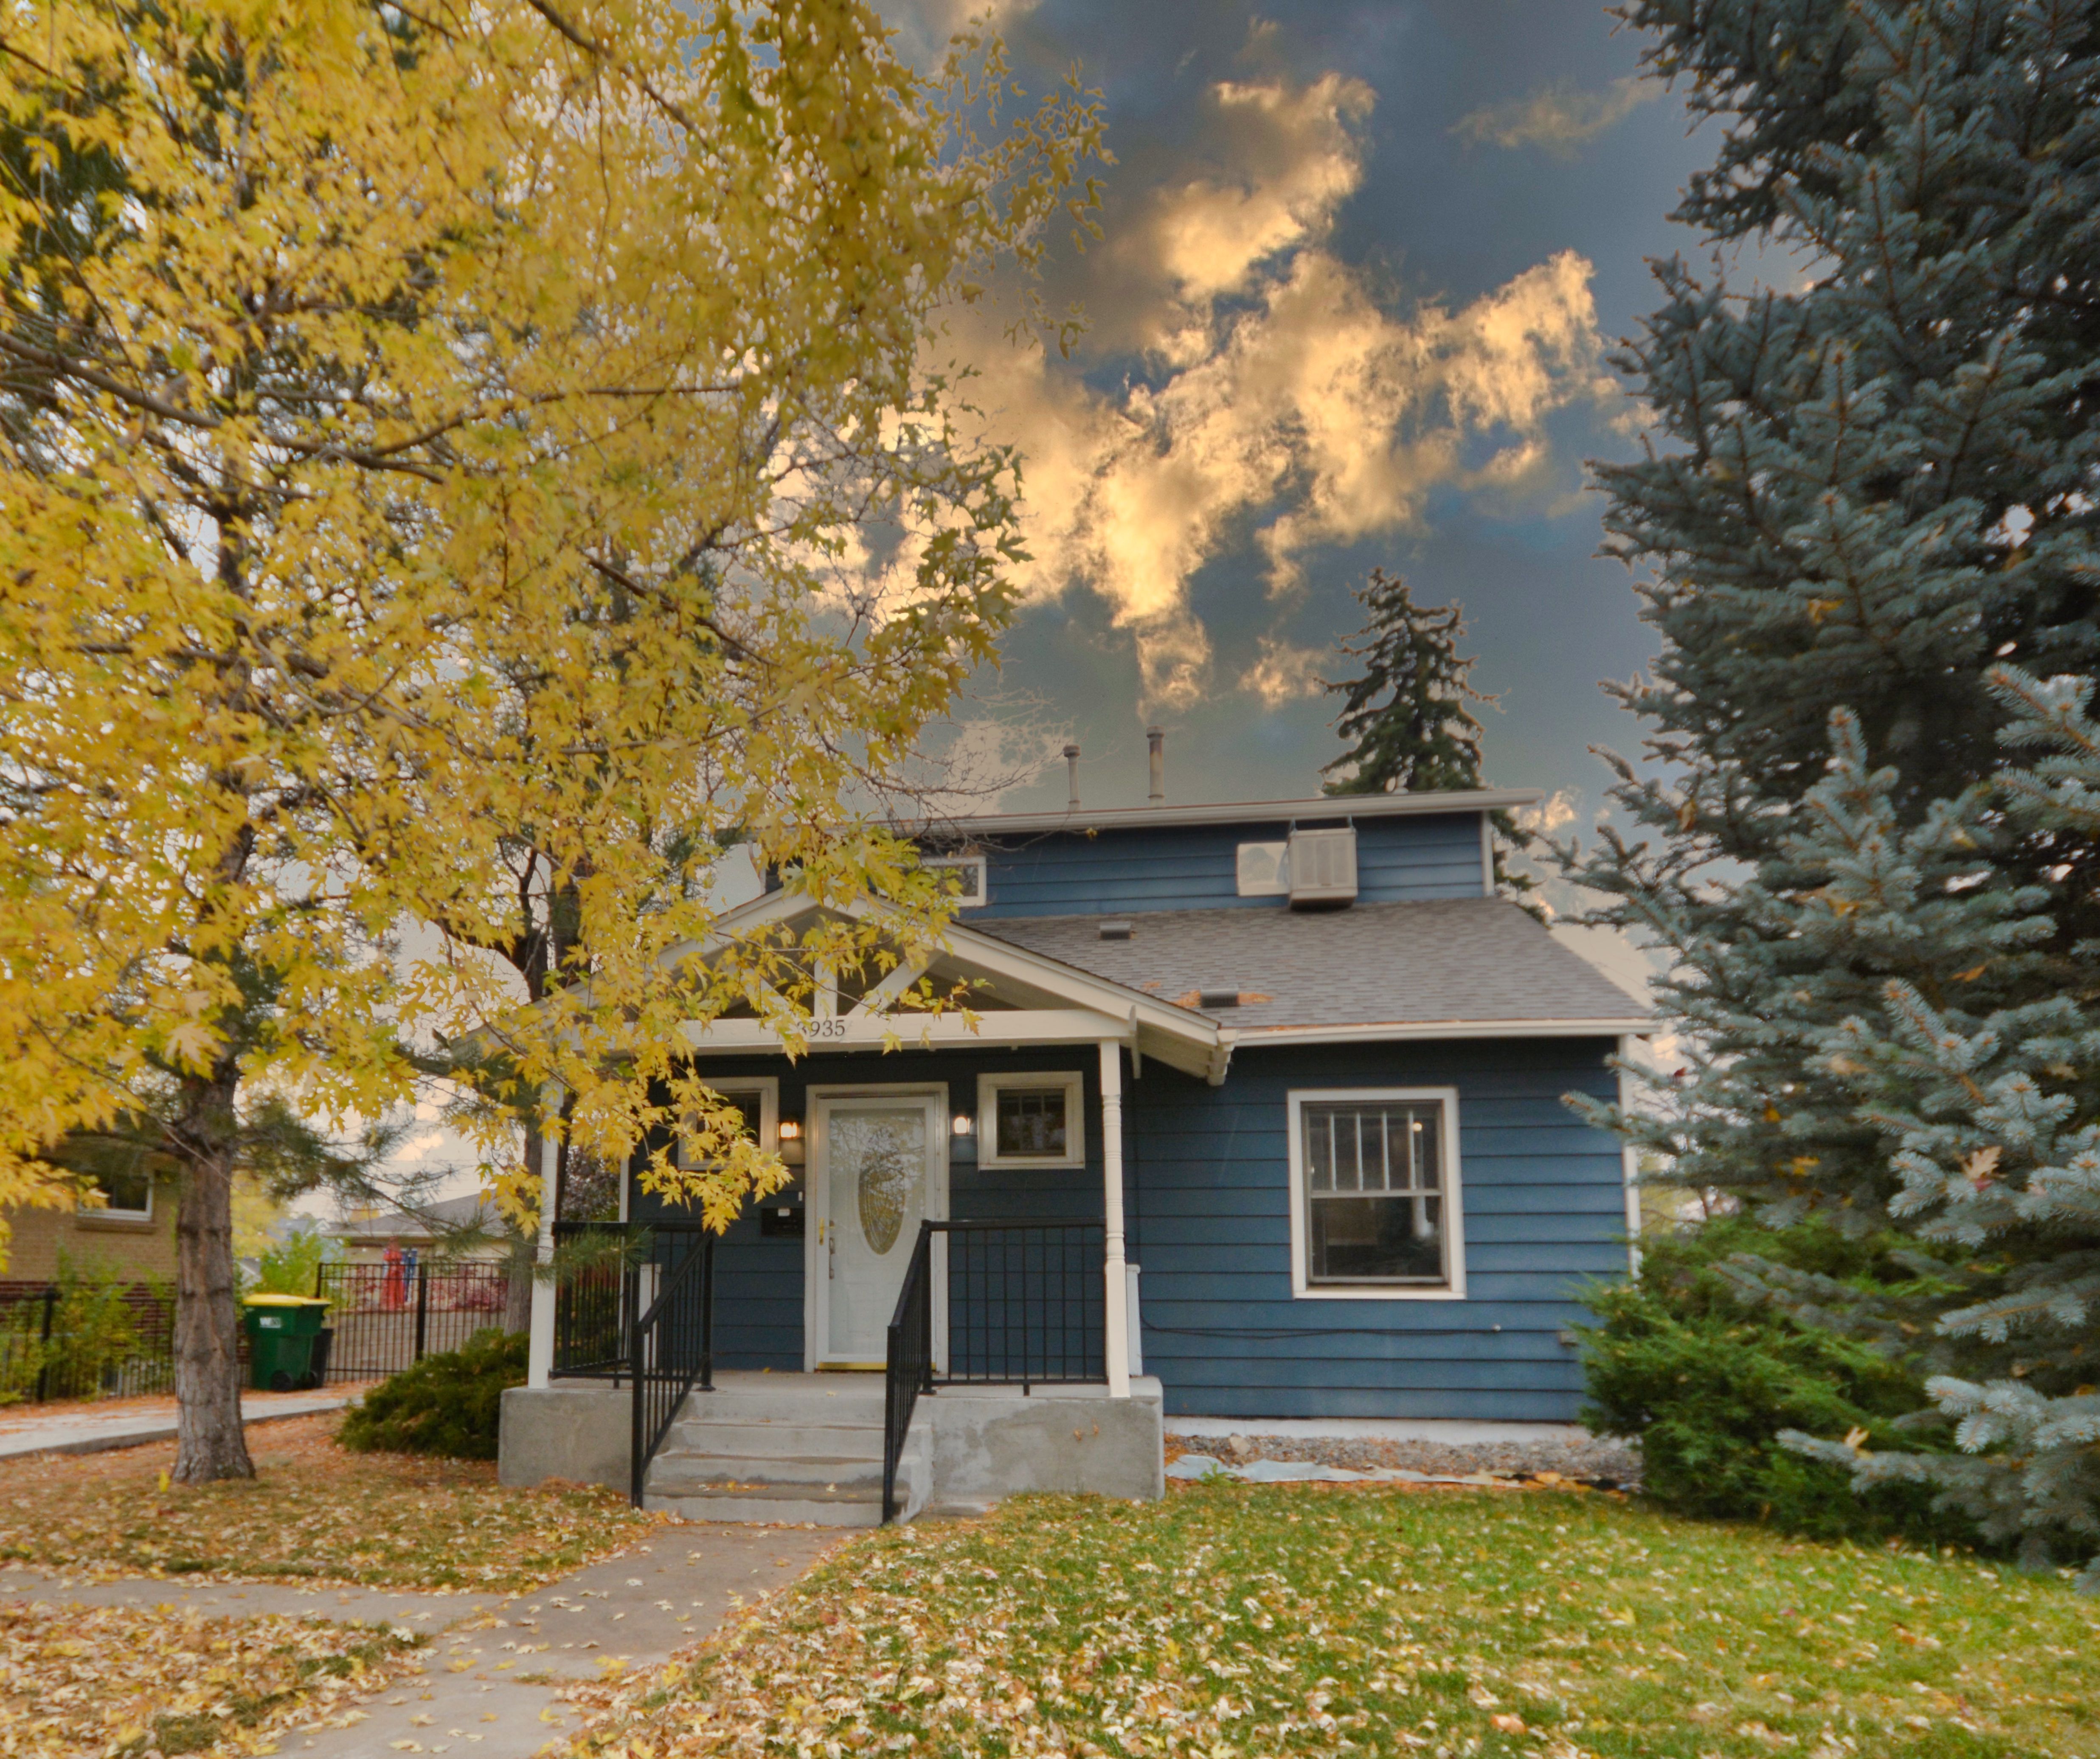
{"points": [[133, 1422], [633, 1609]]}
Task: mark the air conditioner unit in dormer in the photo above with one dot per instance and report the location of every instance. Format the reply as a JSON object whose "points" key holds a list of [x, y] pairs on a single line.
{"points": [[1323, 867]]}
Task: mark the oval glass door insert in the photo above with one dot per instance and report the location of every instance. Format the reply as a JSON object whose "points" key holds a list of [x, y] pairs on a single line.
{"points": [[887, 1158]]}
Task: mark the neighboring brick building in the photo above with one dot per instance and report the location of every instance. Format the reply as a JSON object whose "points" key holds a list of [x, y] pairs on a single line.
{"points": [[135, 1235]]}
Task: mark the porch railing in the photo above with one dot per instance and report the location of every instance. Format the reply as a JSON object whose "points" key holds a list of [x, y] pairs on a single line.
{"points": [[673, 1351], [1025, 1305], [634, 1303]]}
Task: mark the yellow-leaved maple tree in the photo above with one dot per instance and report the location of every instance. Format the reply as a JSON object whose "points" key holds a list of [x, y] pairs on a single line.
{"points": [[447, 441]]}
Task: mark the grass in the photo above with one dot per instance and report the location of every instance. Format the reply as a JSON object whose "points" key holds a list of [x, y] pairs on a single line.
{"points": [[1237, 1622], [126, 1682], [316, 1512]]}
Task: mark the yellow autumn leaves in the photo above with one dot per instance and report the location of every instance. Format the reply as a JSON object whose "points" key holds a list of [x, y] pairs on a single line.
{"points": [[429, 434]]}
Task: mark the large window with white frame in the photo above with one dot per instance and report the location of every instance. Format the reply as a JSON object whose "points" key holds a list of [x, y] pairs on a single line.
{"points": [[1374, 1198], [1031, 1120]]}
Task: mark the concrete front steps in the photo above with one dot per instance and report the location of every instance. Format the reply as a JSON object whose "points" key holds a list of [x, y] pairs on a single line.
{"points": [[802, 1447]]}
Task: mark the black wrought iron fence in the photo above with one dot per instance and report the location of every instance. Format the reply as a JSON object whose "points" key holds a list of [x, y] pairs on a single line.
{"points": [[387, 1317], [85, 1338], [611, 1272], [673, 1352]]}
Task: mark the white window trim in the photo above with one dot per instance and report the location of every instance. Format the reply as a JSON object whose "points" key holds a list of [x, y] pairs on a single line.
{"points": [[768, 1089], [1073, 1085], [1454, 1215], [110, 1212], [984, 877]]}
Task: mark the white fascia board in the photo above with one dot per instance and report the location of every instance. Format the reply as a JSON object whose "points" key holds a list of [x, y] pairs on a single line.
{"points": [[1252, 1036], [1015, 1028], [1323, 808]]}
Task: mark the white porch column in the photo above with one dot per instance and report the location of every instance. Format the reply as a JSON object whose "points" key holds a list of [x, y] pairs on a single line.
{"points": [[540, 1339], [1116, 1340]]}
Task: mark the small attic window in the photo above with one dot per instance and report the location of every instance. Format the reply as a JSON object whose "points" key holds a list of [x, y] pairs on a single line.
{"points": [[1116, 930], [972, 882]]}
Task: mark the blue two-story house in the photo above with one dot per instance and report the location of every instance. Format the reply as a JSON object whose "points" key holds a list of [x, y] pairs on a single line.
{"points": [[1255, 1112]]}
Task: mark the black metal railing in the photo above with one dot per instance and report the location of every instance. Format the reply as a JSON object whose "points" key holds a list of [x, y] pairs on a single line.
{"points": [[673, 1351], [608, 1274], [85, 1336], [1025, 1305], [908, 1361], [383, 1318]]}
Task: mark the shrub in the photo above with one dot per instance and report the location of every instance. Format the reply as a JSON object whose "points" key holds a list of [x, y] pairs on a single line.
{"points": [[287, 1267], [448, 1405], [1706, 1383]]}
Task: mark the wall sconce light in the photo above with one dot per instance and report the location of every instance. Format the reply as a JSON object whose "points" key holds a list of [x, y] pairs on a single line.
{"points": [[791, 1130], [962, 1124]]}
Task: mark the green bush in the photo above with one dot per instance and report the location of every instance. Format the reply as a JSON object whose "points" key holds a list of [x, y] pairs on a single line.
{"points": [[448, 1405], [1706, 1383], [287, 1267]]}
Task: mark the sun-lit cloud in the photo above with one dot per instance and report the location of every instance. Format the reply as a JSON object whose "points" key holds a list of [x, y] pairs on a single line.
{"points": [[1284, 673], [1559, 118], [1277, 395]]}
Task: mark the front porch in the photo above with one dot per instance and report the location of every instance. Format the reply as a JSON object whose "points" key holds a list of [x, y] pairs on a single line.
{"points": [[995, 1377], [809, 1448]]}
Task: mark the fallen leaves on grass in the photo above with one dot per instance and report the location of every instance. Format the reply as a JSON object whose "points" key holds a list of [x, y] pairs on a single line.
{"points": [[123, 1681], [1229, 1622], [313, 1512]]}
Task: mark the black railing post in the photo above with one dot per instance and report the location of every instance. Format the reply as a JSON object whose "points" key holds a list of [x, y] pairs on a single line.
{"points": [[44, 1345], [422, 1305], [637, 1457], [707, 1314]]}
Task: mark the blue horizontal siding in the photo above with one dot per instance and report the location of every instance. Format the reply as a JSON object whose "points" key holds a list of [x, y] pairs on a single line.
{"points": [[1543, 1210], [1196, 867], [759, 1283], [1207, 1199]]}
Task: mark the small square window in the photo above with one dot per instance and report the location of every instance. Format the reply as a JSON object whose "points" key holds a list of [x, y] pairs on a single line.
{"points": [[127, 1193], [757, 1102], [1375, 1205], [1031, 1120], [970, 879]]}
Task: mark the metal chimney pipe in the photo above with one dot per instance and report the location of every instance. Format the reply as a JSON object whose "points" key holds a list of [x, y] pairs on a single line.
{"points": [[1156, 737], [1072, 777]]}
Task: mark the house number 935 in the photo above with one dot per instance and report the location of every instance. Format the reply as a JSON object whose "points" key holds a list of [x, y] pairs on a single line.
{"points": [[828, 1029]]}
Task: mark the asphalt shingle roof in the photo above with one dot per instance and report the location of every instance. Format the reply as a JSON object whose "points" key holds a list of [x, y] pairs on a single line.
{"points": [[1472, 960]]}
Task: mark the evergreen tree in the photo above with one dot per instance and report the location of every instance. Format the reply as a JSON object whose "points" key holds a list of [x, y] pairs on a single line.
{"points": [[1877, 485], [1879, 491], [1406, 715]]}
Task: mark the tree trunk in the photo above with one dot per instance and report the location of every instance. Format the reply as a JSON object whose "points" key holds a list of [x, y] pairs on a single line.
{"points": [[210, 1443]]}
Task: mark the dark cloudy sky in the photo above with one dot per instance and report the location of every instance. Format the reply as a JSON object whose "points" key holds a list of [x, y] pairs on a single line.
{"points": [[1362, 264]]}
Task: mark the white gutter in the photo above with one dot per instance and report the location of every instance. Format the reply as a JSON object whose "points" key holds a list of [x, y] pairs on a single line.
{"points": [[1321, 808], [1249, 1036]]}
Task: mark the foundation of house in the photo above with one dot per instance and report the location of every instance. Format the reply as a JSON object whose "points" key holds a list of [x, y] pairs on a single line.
{"points": [[809, 1446]]}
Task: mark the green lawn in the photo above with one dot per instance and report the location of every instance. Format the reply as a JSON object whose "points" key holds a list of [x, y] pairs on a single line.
{"points": [[1231, 1621]]}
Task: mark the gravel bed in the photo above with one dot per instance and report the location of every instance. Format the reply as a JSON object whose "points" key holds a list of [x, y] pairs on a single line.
{"points": [[1594, 1460]]}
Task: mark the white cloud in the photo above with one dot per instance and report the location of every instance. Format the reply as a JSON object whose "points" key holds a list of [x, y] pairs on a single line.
{"points": [[1284, 673], [1560, 117], [1279, 394]]}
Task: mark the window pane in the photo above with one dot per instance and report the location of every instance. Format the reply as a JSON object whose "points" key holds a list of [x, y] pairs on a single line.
{"points": [[1377, 1240], [750, 1104], [1374, 1178], [1032, 1123], [124, 1189]]}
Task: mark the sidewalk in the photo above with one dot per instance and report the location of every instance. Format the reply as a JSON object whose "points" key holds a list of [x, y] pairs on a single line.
{"points": [[94, 1428], [632, 1610]]}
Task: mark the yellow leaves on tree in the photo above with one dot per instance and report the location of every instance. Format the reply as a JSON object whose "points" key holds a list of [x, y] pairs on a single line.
{"points": [[430, 433]]}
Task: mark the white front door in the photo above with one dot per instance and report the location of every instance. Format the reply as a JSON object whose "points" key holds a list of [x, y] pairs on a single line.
{"points": [[880, 1169]]}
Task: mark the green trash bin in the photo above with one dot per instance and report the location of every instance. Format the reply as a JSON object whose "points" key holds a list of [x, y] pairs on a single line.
{"points": [[281, 1331]]}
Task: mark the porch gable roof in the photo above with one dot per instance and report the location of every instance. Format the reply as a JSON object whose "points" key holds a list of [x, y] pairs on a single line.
{"points": [[1083, 1006]]}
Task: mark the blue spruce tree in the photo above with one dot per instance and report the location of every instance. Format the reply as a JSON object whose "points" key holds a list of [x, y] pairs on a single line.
{"points": [[1875, 484]]}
